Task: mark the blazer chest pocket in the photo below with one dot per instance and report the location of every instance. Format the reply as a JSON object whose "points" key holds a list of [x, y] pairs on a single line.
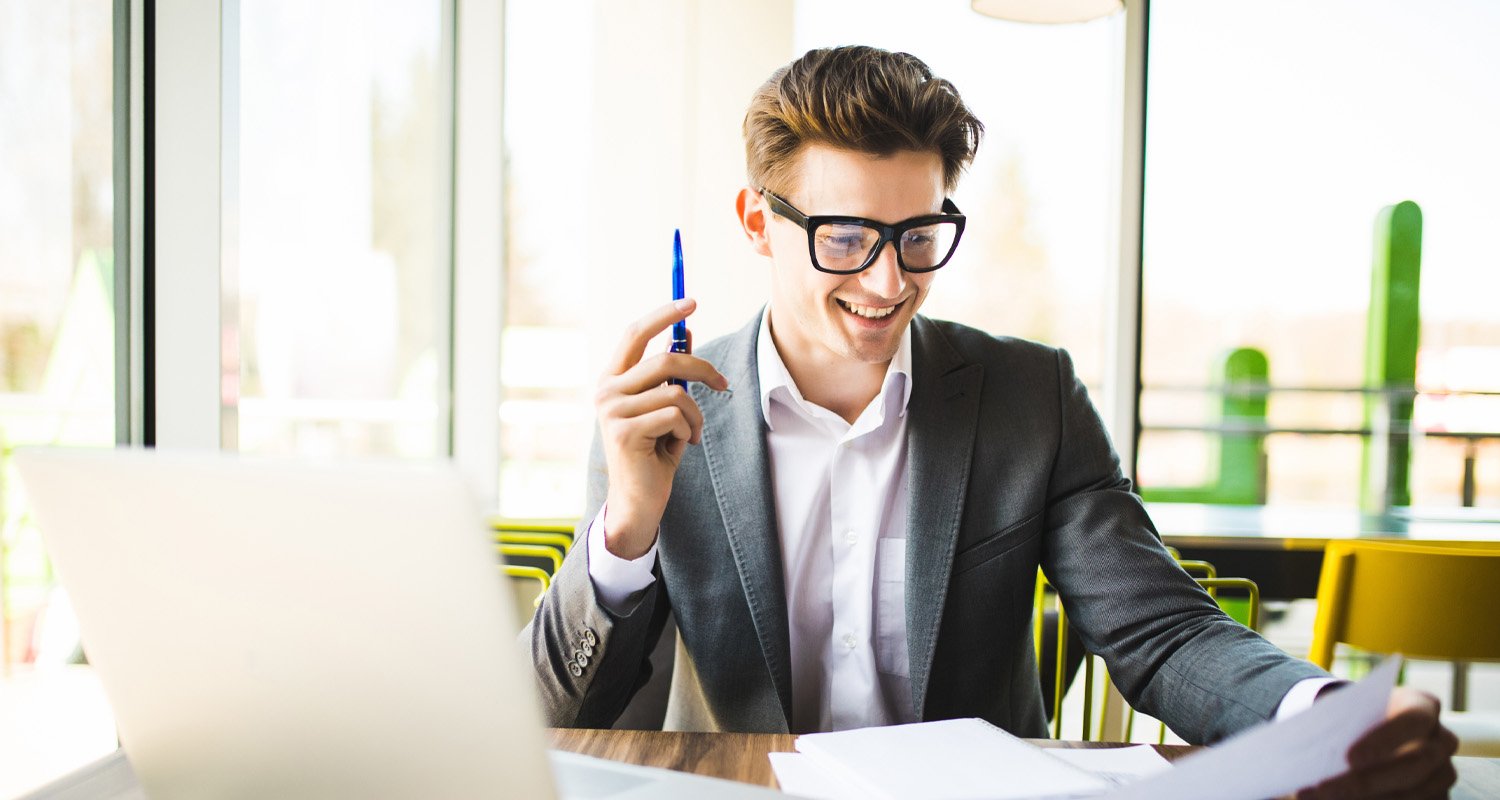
{"points": [[997, 545]]}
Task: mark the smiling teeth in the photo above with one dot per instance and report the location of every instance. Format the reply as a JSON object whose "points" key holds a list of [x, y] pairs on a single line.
{"points": [[869, 312]]}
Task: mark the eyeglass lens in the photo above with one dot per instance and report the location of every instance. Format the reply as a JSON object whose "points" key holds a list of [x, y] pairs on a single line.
{"points": [[844, 246]]}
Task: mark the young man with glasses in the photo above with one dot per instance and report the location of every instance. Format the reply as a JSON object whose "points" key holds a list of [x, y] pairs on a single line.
{"points": [[851, 536]]}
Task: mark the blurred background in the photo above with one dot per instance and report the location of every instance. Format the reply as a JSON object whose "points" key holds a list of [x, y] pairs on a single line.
{"points": [[1279, 134]]}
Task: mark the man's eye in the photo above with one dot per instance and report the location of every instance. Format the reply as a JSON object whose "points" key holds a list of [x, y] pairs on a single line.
{"points": [[920, 238], [841, 241]]}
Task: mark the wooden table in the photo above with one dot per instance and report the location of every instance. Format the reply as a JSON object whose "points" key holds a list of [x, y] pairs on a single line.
{"points": [[742, 756], [1281, 547], [734, 756]]}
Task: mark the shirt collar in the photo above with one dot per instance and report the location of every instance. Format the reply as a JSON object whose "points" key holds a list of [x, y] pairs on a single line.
{"points": [[773, 375]]}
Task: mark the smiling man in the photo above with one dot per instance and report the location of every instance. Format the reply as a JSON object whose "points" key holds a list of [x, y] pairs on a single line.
{"points": [[851, 536]]}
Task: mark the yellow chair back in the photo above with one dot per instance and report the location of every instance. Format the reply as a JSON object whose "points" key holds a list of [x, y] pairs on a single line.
{"points": [[1244, 609], [542, 553], [1425, 601]]}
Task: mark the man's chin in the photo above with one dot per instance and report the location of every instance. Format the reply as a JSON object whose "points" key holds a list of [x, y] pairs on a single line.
{"points": [[875, 348]]}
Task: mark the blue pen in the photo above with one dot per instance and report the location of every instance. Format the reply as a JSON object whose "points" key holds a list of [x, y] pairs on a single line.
{"points": [[679, 291]]}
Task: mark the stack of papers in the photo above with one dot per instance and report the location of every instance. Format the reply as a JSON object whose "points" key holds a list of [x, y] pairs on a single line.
{"points": [[960, 759], [969, 759]]}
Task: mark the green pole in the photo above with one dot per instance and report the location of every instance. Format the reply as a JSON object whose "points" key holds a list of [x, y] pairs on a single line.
{"points": [[1391, 357], [1243, 375], [1242, 455]]}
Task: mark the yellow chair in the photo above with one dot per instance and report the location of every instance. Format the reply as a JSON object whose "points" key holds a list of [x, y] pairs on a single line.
{"points": [[1046, 598], [554, 533], [558, 525], [529, 584], [539, 556], [1246, 611], [555, 540], [1423, 601]]}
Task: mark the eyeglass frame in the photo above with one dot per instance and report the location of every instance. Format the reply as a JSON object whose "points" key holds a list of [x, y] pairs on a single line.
{"points": [[888, 233]]}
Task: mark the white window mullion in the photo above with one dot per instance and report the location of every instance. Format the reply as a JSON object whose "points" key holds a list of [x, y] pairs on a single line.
{"points": [[478, 242], [1121, 404], [188, 227]]}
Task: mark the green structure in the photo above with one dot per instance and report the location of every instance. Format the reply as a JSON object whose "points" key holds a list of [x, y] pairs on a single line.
{"points": [[1241, 439], [1391, 357]]}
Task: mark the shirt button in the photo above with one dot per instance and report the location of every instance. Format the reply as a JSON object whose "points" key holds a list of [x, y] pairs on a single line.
{"points": [[848, 641], [851, 537]]}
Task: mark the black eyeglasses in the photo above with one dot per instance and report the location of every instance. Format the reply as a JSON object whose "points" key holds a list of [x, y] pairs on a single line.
{"points": [[846, 245]]}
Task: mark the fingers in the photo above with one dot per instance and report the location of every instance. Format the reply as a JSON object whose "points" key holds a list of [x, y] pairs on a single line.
{"points": [[642, 331], [1431, 781], [1407, 755], [1402, 775], [658, 369], [662, 396], [1410, 716], [668, 421], [642, 432]]}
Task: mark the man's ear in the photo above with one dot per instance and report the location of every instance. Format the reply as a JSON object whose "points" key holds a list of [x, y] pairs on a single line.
{"points": [[754, 217]]}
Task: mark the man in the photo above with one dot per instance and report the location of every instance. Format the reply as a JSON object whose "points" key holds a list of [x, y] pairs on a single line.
{"points": [[851, 536]]}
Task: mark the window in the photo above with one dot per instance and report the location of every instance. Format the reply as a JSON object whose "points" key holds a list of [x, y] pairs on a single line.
{"points": [[1277, 133], [344, 233], [57, 351]]}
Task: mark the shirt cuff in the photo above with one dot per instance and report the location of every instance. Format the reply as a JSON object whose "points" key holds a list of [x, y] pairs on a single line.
{"points": [[617, 581], [1301, 696]]}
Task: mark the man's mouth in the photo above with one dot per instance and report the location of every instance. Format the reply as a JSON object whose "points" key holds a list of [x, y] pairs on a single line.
{"points": [[868, 312]]}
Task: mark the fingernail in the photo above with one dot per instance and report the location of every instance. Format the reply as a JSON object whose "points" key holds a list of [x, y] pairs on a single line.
{"points": [[685, 304]]}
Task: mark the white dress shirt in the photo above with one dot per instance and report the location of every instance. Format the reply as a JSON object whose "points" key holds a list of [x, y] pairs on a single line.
{"points": [[841, 512]]}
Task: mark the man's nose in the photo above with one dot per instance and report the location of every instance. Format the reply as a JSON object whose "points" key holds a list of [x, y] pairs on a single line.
{"points": [[884, 278]]}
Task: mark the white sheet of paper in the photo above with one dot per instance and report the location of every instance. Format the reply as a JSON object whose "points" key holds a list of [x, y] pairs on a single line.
{"points": [[1271, 760], [799, 775], [1118, 765], [956, 759]]}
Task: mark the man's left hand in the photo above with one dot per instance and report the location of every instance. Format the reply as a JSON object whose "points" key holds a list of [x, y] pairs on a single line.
{"points": [[1410, 754]]}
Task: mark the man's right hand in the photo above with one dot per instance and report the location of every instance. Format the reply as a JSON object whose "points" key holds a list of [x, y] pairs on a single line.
{"points": [[646, 426]]}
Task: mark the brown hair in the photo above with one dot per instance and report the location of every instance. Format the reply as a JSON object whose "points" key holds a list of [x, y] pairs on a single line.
{"points": [[856, 98]]}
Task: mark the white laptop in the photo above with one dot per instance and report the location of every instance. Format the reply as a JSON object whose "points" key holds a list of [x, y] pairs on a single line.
{"points": [[292, 629]]}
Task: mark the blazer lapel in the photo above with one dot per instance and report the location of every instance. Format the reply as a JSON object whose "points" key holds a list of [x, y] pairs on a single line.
{"points": [[739, 465], [942, 415]]}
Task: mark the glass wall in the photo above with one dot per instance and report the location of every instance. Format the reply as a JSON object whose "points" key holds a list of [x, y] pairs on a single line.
{"points": [[1277, 133], [56, 350], [344, 233], [648, 139]]}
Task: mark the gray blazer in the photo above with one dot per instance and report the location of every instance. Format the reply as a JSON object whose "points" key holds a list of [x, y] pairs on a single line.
{"points": [[1010, 469]]}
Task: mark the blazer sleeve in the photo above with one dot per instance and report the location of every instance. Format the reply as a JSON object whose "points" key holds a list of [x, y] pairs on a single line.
{"points": [[1170, 649], [590, 662]]}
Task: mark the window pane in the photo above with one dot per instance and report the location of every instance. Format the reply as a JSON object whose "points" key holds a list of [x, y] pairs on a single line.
{"points": [[56, 354], [343, 233], [1273, 148]]}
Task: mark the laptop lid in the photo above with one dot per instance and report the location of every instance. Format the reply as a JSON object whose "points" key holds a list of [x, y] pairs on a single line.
{"points": [[276, 628]]}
